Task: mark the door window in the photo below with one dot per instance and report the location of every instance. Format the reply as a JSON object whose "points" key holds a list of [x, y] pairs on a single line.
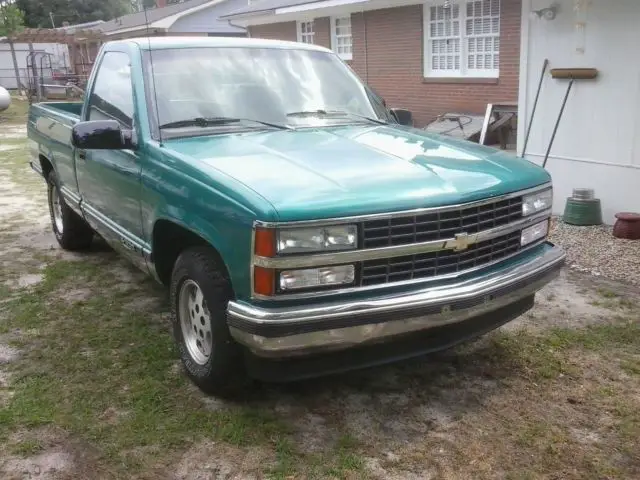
{"points": [[112, 95]]}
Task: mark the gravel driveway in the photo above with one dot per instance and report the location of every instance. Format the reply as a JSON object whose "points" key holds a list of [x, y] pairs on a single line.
{"points": [[90, 385]]}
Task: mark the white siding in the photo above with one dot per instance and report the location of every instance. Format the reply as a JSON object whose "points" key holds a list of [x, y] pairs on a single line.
{"points": [[598, 141], [7, 72]]}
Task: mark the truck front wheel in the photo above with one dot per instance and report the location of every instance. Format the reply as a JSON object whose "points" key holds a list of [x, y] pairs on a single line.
{"points": [[71, 230], [199, 294]]}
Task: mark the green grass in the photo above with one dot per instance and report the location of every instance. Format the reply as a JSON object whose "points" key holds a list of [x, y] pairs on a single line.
{"points": [[16, 113], [614, 302], [344, 460], [106, 375], [95, 356], [16, 163], [548, 356]]}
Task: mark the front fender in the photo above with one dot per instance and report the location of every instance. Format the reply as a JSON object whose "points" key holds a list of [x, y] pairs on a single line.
{"points": [[230, 235]]}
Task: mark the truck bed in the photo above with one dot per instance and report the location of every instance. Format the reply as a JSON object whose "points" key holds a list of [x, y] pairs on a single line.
{"points": [[49, 127], [68, 109]]}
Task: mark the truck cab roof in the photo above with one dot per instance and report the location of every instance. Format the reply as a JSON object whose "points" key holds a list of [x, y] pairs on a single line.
{"points": [[159, 43]]}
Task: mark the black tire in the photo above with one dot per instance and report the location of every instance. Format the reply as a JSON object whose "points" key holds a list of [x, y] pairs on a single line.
{"points": [[224, 372], [76, 233]]}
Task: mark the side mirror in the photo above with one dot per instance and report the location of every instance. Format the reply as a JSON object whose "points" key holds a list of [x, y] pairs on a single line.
{"points": [[101, 135], [402, 116]]}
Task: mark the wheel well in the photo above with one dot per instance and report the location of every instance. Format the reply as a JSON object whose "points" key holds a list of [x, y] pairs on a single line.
{"points": [[169, 240], [45, 165]]}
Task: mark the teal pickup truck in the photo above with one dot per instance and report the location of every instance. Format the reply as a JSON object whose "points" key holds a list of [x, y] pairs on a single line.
{"points": [[300, 225]]}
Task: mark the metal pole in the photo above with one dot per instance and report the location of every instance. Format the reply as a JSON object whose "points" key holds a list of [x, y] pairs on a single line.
{"points": [[535, 104], [555, 129], [16, 71]]}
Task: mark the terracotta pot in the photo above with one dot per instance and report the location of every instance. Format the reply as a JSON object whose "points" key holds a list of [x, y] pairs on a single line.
{"points": [[627, 226]]}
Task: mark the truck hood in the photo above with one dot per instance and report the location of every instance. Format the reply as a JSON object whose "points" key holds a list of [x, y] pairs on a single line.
{"points": [[352, 170]]}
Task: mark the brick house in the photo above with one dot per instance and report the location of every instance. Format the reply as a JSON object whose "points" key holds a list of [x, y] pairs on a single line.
{"points": [[432, 56]]}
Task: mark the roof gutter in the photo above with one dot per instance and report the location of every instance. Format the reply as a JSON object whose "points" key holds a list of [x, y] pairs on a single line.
{"points": [[310, 7], [301, 7], [144, 28], [317, 5], [255, 13]]}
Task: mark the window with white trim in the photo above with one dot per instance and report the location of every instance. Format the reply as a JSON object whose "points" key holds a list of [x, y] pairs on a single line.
{"points": [[462, 38], [341, 39], [305, 32]]}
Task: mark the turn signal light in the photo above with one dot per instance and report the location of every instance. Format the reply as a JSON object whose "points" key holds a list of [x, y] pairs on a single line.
{"points": [[264, 281], [265, 242]]}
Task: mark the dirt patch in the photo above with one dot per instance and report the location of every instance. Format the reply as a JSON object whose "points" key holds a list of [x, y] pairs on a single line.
{"points": [[29, 279], [209, 460], [13, 131], [48, 465], [75, 294], [8, 354], [376, 468], [112, 415], [572, 300], [317, 435]]}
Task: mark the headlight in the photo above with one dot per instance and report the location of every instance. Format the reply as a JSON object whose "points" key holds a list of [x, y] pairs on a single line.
{"points": [[533, 233], [320, 239], [316, 277], [537, 202]]}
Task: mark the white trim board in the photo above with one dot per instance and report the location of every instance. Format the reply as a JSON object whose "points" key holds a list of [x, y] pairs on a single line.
{"points": [[523, 112], [311, 10], [317, 5]]}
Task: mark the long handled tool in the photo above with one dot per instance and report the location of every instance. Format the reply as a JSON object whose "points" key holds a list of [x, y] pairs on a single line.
{"points": [[535, 104], [572, 74]]}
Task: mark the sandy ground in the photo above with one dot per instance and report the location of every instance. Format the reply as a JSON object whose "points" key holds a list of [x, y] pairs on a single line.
{"points": [[449, 416]]}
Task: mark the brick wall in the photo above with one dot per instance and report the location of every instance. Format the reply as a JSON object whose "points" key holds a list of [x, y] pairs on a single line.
{"points": [[288, 31], [391, 61], [275, 31], [322, 30]]}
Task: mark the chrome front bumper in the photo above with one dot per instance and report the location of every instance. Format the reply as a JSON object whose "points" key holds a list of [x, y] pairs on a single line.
{"points": [[291, 331]]}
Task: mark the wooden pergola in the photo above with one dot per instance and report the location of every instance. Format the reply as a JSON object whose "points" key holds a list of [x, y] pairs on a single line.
{"points": [[83, 45]]}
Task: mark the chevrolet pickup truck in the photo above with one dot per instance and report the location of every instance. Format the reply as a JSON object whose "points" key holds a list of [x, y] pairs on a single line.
{"points": [[300, 225]]}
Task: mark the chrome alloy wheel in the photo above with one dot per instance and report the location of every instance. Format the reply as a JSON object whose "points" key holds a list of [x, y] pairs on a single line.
{"points": [[195, 321], [56, 209]]}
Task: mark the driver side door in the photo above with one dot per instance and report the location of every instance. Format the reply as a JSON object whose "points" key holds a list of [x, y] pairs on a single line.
{"points": [[109, 180]]}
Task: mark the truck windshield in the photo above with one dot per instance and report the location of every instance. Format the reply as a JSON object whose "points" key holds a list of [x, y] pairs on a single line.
{"points": [[279, 86]]}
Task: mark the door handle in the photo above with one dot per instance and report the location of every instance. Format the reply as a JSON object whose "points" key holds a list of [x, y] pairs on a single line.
{"points": [[82, 155]]}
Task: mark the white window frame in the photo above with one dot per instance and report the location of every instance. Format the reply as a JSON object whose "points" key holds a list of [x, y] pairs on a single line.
{"points": [[304, 37], [334, 37], [464, 71]]}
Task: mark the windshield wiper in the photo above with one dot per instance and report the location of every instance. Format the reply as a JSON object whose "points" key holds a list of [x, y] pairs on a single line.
{"points": [[335, 113], [204, 122]]}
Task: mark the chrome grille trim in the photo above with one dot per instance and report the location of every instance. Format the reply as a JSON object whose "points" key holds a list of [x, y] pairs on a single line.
{"points": [[352, 256], [440, 225], [417, 281], [437, 264]]}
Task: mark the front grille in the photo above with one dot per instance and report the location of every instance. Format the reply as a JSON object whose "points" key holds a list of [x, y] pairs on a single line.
{"points": [[443, 262], [410, 229]]}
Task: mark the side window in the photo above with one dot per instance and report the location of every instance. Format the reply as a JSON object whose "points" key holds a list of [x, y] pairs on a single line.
{"points": [[112, 95]]}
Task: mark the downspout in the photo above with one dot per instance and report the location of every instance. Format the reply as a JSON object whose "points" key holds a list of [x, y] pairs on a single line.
{"points": [[246, 29], [366, 48]]}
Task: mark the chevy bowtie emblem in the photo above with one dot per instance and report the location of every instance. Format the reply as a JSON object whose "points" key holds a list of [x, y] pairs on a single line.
{"points": [[461, 242]]}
